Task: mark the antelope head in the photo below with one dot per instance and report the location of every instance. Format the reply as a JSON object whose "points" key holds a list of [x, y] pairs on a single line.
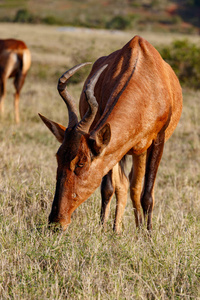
{"points": [[79, 170]]}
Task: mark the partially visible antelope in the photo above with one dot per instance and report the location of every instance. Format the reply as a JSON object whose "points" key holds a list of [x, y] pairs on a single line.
{"points": [[130, 104], [15, 61]]}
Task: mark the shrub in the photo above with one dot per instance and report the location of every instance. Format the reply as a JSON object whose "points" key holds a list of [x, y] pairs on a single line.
{"points": [[119, 22], [51, 20], [22, 16], [184, 58]]}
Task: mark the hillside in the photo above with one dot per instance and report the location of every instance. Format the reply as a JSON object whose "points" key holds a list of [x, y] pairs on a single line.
{"points": [[174, 16]]}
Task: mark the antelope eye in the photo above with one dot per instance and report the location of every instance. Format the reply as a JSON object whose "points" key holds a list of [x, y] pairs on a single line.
{"points": [[81, 162], [79, 165]]}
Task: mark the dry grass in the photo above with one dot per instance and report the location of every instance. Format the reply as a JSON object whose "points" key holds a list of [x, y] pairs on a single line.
{"points": [[85, 262]]}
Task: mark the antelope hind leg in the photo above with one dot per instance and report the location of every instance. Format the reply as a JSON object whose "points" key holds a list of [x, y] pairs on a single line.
{"points": [[2, 94], [153, 160]]}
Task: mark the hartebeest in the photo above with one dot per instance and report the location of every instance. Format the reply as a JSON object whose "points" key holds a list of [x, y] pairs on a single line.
{"points": [[130, 104], [15, 61]]}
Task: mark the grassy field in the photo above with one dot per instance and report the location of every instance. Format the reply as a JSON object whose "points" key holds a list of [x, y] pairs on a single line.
{"points": [[86, 262]]}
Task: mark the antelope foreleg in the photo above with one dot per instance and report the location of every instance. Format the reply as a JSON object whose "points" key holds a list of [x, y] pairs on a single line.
{"points": [[121, 188], [136, 180], [107, 191]]}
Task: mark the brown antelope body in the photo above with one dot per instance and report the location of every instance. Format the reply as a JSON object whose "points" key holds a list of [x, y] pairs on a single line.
{"points": [[130, 104], [15, 61]]}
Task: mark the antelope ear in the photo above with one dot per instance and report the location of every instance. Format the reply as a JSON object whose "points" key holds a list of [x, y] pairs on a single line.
{"points": [[57, 129], [101, 139]]}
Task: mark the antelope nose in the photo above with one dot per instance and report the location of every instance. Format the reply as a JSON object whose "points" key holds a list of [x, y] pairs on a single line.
{"points": [[58, 222], [52, 219]]}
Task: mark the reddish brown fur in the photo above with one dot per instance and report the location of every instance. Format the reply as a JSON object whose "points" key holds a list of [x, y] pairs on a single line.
{"points": [[15, 61], [140, 103]]}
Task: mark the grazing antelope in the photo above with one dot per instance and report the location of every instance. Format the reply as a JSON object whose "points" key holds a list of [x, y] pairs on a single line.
{"points": [[15, 61], [130, 104]]}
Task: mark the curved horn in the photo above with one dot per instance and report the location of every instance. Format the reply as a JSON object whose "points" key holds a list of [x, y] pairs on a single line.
{"points": [[86, 122], [62, 84]]}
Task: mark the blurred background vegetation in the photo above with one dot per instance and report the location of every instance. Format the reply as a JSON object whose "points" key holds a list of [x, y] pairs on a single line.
{"points": [[180, 16], [177, 15]]}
